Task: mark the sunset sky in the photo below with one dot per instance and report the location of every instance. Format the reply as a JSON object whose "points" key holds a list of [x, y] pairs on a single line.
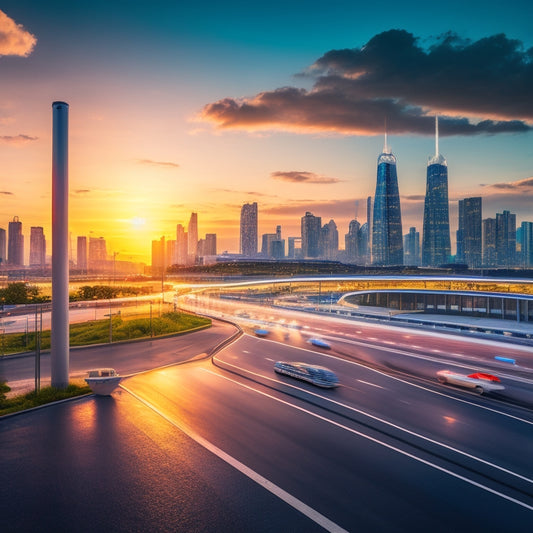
{"points": [[202, 106]]}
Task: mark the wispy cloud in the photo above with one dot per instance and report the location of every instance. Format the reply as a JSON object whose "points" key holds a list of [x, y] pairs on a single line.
{"points": [[82, 191], [166, 164], [14, 39], [294, 176], [394, 77], [6, 193], [524, 185], [16, 140]]}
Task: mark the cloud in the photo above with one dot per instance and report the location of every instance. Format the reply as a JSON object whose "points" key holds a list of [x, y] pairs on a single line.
{"points": [[524, 185], [14, 39], [167, 164], [480, 87], [81, 191], [16, 140], [6, 193], [303, 177]]}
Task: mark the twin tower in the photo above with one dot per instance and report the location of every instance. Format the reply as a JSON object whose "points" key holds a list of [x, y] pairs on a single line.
{"points": [[387, 235]]}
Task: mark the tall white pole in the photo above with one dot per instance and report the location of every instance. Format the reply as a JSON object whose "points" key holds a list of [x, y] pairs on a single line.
{"points": [[60, 274], [436, 135]]}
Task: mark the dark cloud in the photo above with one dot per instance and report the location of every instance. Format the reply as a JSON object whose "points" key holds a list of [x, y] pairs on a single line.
{"points": [[82, 191], [6, 193], [16, 140], [414, 198], [167, 164], [394, 77], [295, 176]]}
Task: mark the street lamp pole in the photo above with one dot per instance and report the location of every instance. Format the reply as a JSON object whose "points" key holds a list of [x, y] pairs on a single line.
{"points": [[151, 330]]}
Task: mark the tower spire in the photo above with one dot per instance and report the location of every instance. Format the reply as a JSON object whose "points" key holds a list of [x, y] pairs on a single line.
{"points": [[385, 146], [436, 135]]}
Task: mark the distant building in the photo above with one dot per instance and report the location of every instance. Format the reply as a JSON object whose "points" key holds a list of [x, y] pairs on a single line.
{"points": [[248, 230], [37, 247], [411, 248], [266, 244], [81, 254], [181, 245], [158, 257], [329, 241], [310, 228], [3, 258], [489, 242], [97, 254], [526, 244], [436, 248], [15, 244], [192, 239], [506, 239], [351, 242], [469, 234], [171, 255], [387, 238], [294, 248], [210, 247]]}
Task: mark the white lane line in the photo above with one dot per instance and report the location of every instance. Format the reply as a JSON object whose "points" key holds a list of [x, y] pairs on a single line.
{"points": [[390, 424], [355, 363], [371, 384], [294, 502], [377, 441]]}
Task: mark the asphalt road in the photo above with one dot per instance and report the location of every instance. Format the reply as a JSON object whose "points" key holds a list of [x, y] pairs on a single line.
{"points": [[232, 446]]}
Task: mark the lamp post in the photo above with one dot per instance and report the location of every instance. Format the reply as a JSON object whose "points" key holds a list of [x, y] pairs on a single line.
{"points": [[151, 330]]}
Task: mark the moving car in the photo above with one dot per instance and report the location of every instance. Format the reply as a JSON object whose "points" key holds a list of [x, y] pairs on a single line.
{"points": [[261, 332], [317, 375], [480, 382], [320, 343]]}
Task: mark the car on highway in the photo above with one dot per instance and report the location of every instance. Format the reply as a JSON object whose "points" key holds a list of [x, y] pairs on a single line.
{"points": [[319, 343], [317, 375], [261, 332], [480, 382]]}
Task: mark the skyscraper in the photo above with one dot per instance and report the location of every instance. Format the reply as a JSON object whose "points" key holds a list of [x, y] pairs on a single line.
{"points": [[15, 244], [97, 253], [329, 241], [411, 248], [248, 240], [351, 242], [181, 245], [192, 238], [81, 254], [526, 244], [310, 228], [506, 239], [436, 247], [2, 247], [469, 233], [489, 242], [37, 247], [158, 257], [387, 244]]}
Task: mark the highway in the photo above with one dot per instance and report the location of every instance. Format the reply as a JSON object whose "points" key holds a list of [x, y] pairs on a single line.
{"points": [[228, 445]]}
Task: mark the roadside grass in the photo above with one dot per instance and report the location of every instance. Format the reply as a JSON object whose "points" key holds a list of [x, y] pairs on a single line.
{"points": [[35, 399], [98, 331]]}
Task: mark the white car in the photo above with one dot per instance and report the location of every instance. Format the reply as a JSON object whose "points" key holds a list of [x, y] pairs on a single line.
{"points": [[317, 375], [479, 382]]}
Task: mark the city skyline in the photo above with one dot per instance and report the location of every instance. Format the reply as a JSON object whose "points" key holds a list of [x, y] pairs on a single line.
{"points": [[159, 103]]}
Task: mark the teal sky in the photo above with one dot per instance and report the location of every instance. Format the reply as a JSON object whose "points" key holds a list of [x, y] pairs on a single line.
{"points": [[145, 82]]}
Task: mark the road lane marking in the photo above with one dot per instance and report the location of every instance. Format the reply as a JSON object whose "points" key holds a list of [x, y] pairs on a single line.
{"points": [[391, 424], [283, 495], [370, 369], [371, 384], [379, 442]]}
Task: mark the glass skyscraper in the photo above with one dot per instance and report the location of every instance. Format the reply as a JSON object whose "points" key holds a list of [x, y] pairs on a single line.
{"points": [[248, 240], [387, 237], [436, 247], [469, 232]]}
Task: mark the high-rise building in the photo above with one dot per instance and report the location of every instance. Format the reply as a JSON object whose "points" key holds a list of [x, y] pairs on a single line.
{"points": [[526, 244], [329, 241], [436, 247], [387, 243], [411, 248], [81, 254], [352, 242], [15, 243], [248, 234], [210, 244], [172, 252], [158, 257], [266, 244], [3, 258], [469, 232], [506, 239], [277, 250], [181, 245], [37, 247], [310, 228], [489, 242], [192, 238], [97, 254], [294, 248]]}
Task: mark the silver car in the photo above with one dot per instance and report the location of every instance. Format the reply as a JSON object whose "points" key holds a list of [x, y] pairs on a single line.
{"points": [[479, 382], [317, 375]]}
